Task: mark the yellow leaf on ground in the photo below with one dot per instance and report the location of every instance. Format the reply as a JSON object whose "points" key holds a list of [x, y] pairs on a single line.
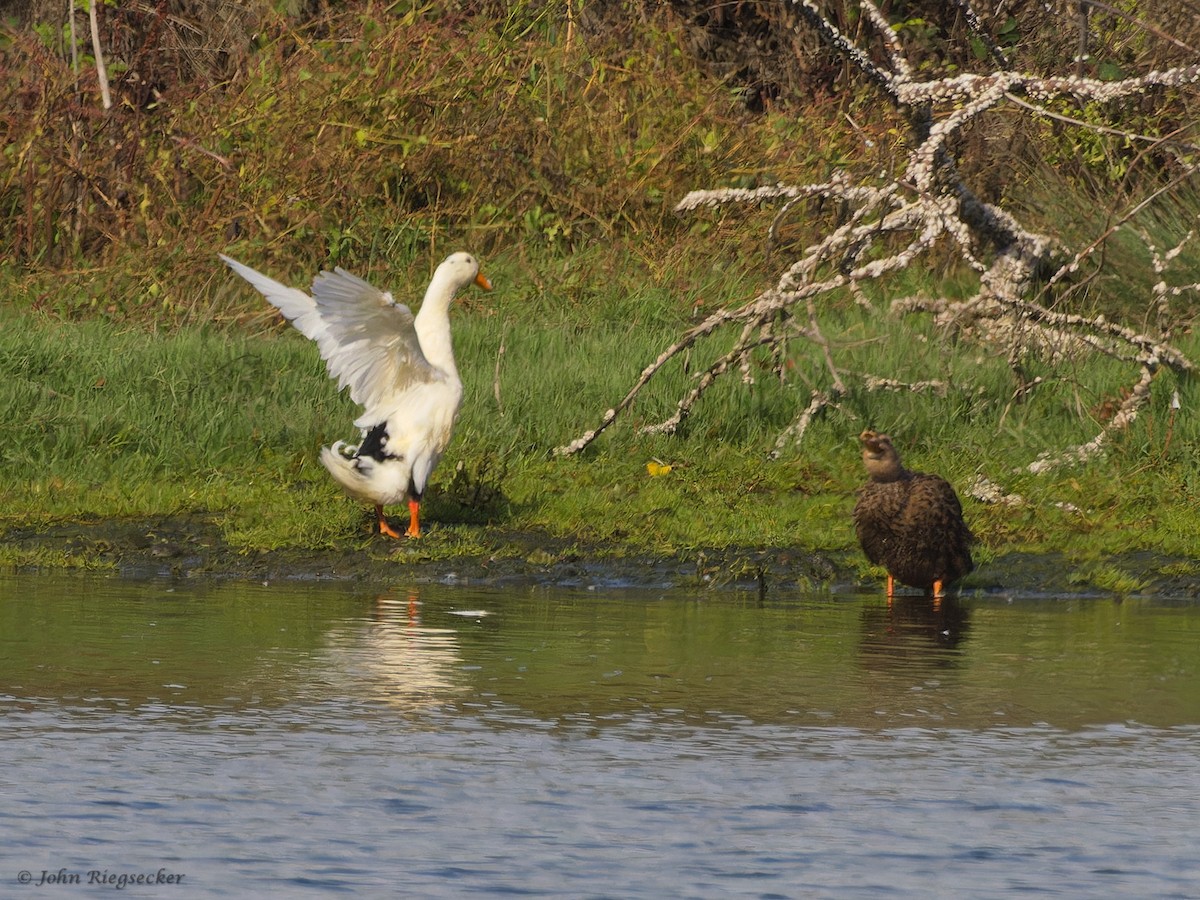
{"points": [[657, 467]]}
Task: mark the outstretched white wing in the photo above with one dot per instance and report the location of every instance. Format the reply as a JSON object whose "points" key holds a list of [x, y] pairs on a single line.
{"points": [[366, 338], [370, 344], [296, 306]]}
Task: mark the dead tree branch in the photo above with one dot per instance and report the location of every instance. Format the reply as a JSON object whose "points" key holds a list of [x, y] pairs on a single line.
{"points": [[890, 226]]}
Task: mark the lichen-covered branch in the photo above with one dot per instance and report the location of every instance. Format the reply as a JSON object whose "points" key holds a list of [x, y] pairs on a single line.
{"points": [[1138, 397], [819, 401], [890, 225], [704, 328]]}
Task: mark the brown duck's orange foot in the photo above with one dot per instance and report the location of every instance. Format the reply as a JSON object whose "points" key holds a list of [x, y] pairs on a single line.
{"points": [[384, 527], [939, 591], [414, 523]]}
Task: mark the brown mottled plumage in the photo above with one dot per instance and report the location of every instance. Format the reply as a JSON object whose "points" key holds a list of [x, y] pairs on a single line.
{"points": [[908, 522]]}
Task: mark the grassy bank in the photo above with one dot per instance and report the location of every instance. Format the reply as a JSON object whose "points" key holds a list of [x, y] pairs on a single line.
{"points": [[102, 422], [139, 379]]}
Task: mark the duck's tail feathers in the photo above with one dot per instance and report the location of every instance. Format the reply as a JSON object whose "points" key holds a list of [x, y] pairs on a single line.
{"points": [[342, 462]]}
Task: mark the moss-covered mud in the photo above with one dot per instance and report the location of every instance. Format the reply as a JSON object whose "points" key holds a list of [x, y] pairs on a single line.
{"points": [[192, 546]]}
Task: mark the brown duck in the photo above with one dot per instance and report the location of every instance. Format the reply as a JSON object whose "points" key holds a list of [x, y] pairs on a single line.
{"points": [[910, 523]]}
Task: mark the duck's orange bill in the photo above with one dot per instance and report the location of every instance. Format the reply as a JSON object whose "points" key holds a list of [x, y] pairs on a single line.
{"points": [[482, 281]]}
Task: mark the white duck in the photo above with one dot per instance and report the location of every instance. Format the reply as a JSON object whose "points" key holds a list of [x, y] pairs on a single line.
{"points": [[399, 368]]}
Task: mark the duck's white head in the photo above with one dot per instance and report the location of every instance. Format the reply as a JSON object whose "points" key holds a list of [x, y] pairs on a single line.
{"points": [[457, 271]]}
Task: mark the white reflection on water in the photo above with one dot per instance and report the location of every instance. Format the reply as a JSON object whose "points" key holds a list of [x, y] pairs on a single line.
{"points": [[392, 657]]}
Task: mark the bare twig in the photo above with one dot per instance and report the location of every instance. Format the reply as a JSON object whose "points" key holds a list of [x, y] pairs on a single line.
{"points": [[496, 374], [818, 402], [1138, 397], [101, 71]]}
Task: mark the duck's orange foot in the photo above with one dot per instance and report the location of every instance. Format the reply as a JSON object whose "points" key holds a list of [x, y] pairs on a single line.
{"points": [[384, 527], [939, 591], [414, 524]]}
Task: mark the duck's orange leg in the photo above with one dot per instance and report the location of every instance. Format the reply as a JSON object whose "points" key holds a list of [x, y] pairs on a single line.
{"points": [[384, 527], [414, 524], [891, 586]]}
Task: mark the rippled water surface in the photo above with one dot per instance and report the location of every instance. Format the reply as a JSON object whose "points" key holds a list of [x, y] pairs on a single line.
{"points": [[287, 740]]}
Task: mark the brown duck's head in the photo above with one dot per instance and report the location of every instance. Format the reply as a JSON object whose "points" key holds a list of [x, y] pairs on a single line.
{"points": [[880, 457]]}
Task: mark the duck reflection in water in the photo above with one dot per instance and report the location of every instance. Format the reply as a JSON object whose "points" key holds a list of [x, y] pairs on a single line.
{"points": [[914, 633], [392, 656]]}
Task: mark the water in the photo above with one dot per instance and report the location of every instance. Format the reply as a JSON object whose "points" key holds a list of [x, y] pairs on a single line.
{"points": [[303, 740]]}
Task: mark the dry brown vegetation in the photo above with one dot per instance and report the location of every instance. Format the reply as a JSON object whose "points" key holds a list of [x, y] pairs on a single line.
{"points": [[351, 133], [345, 137]]}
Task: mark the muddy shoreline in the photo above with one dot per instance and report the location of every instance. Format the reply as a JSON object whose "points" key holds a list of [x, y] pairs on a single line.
{"points": [[192, 547]]}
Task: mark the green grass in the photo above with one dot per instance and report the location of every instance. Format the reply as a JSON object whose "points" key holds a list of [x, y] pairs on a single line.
{"points": [[101, 421], [45, 558], [139, 378]]}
